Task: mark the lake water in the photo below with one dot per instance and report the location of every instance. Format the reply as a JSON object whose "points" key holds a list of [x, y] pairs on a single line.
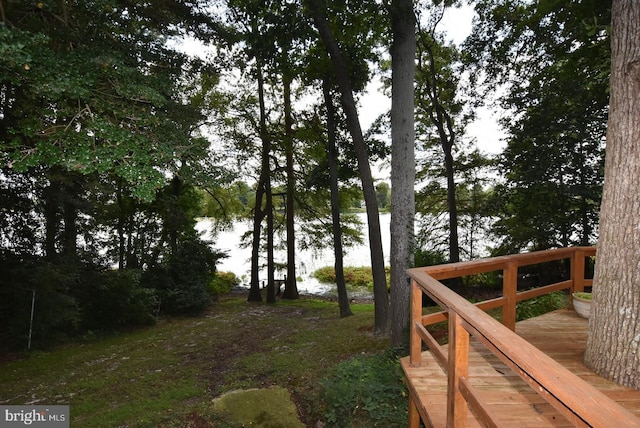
{"points": [[307, 261]]}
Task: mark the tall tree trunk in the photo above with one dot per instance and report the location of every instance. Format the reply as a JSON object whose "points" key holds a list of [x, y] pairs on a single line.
{"points": [[51, 196], [122, 217], [332, 159], [290, 287], [263, 185], [454, 244], [271, 281], [341, 70], [403, 171], [70, 217], [442, 120], [255, 295], [613, 344], [175, 215]]}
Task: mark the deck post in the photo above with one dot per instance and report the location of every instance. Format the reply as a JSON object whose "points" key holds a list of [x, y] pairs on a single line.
{"points": [[509, 292], [415, 342], [577, 271], [577, 274], [414, 416], [458, 367]]}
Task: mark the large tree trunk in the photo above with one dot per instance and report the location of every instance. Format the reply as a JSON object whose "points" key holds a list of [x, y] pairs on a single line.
{"points": [[341, 70], [264, 183], [613, 344], [332, 160], [290, 287], [70, 218], [255, 295], [174, 221], [122, 218], [51, 196], [403, 171], [271, 281]]}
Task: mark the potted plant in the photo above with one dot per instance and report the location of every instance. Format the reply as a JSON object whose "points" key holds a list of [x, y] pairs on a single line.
{"points": [[582, 303]]}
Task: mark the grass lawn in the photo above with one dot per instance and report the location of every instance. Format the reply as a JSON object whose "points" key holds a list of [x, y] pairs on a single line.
{"points": [[168, 374]]}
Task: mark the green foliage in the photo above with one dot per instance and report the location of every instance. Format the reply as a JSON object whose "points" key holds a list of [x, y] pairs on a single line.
{"points": [[356, 276], [583, 295], [541, 305], [56, 314], [71, 298], [118, 301], [365, 391], [429, 258], [553, 163], [182, 281], [383, 195], [222, 282], [95, 88], [484, 280]]}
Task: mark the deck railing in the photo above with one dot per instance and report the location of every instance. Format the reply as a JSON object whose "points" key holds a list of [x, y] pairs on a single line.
{"points": [[579, 402]]}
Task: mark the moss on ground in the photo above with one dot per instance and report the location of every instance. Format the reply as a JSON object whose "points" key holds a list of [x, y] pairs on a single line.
{"points": [[260, 408]]}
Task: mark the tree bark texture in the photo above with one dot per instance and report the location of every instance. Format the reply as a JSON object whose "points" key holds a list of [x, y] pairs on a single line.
{"points": [[340, 68], [403, 170], [255, 294], [332, 160], [291, 287], [613, 344]]}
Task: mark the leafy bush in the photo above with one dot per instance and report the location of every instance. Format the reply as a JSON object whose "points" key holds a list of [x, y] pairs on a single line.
{"points": [[116, 299], [356, 276], [429, 258], [56, 311], [183, 280], [541, 305], [364, 392], [222, 282]]}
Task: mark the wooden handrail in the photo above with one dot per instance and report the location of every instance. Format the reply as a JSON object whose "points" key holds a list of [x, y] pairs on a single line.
{"points": [[577, 400]]}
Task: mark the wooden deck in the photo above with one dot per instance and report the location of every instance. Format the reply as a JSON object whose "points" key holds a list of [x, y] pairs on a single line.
{"points": [[560, 334]]}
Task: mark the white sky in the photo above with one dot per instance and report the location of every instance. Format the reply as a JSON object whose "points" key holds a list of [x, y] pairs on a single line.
{"points": [[457, 25], [485, 130]]}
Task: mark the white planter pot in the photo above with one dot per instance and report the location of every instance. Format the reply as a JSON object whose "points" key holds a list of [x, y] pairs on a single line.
{"points": [[582, 306]]}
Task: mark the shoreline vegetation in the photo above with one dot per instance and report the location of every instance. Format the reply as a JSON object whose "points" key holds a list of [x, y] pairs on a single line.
{"points": [[355, 276]]}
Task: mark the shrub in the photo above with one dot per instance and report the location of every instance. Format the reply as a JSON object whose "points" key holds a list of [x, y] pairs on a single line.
{"points": [[182, 281], [541, 305], [116, 299], [429, 258], [365, 391], [222, 282], [56, 311], [360, 276]]}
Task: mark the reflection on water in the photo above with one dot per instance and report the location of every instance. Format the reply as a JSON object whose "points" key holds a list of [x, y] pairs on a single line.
{"points": [[239, 260]]}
